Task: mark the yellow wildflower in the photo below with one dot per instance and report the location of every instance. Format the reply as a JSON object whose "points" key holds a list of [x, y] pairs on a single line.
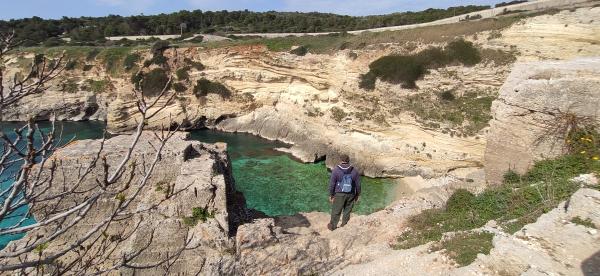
{"points": [[596, 158], [582, 152]]}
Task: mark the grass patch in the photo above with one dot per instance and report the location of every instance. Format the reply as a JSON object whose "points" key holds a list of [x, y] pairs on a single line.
{"points": [[113, 58], [584, 222], [519, 201], [179, 87], [467, 114], [464, 247], [131, 61], [151, 83], [183, 73], [194, 64], [87, 67], [91, 55], [97, 86], [498, 57], [70, 65], [198, 215], [204, 87], [338, 114], [406, 69], [70, 86]]}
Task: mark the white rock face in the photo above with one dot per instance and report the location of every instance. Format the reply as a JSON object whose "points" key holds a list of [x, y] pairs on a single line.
{"points": [[531, 112], [198, 176]]}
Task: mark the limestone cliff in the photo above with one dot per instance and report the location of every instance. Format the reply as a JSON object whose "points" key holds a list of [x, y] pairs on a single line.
{"points": [[314, 102], [532, 113], [189, 175]]}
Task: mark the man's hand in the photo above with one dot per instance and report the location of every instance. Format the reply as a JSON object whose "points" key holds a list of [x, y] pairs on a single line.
{"points": [[331, 199]]}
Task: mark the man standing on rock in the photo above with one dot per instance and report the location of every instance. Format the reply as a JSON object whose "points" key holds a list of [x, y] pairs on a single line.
{"points": [[344, 190]]}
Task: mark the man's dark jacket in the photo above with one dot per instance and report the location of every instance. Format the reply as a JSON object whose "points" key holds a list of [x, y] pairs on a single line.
{"points": [[336, 176]]}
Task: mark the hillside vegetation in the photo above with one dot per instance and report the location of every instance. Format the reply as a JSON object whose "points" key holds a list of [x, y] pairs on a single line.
{"points": [[35, 30], [519, 201]]}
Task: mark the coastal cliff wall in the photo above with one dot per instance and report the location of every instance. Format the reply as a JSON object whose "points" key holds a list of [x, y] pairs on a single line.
{"points": [[534, 110], [315, 103]]}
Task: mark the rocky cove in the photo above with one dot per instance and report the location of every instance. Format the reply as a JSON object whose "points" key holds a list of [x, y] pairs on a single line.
{"points": [[314, 103]]}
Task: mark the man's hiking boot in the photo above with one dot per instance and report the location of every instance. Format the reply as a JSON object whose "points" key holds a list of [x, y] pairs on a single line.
{"points": [[330, 227]]}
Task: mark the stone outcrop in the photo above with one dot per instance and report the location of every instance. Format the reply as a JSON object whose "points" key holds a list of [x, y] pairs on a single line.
{"points": [[533, 109], [62, 106], [192, 174]]}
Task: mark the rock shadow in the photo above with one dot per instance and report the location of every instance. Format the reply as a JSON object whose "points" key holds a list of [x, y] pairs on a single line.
{"points": [[591, 265], [290, 222]]}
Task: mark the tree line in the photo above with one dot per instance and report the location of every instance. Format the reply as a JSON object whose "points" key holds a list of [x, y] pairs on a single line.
{"points": [[34, 31]]}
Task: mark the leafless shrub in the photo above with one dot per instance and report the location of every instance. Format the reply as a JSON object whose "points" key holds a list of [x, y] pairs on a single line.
{"points": [[38, 184]]}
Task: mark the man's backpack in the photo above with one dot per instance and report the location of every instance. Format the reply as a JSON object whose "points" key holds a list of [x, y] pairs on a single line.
{"points": [[346, 182]]}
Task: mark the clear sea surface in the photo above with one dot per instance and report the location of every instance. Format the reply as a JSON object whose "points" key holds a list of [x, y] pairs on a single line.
{"points": [[69, 130], [276, 184], [272, 181]]}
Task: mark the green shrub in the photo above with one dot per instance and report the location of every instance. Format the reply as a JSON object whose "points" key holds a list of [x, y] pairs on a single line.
{"points": [[157, 59], [70, 65], [460, 201], [153, 82], [407, 69], [204, 87], [179, 87], [53, 42], [136, 79], [160, 46], [467, 114], [96, 86], [345, 45], [367, 81], [338, 114], [511, 177], [398, 69], [447, 96], [463, 51], [198, 215], [182, 73], [300, 51], [464, 247], [130, 61], [70, 86], [87, 67], [195, 64], [584, 222], [113, 57], [92, 54], [512, 205], [433, 57], [584, 141]]}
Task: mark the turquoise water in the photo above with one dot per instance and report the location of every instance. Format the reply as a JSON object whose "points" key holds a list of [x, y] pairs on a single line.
{"points": [[271, 181], [70, 130], [275, 184]]}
